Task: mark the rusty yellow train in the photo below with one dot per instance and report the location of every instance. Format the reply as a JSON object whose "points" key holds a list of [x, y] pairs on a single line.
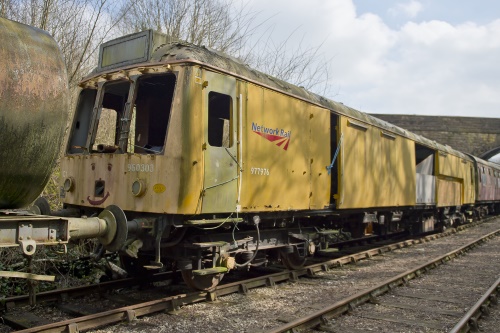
{"points": [[206, 165]]}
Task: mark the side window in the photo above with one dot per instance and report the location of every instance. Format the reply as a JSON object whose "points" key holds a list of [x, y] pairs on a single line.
{"points": [[219, 120]]}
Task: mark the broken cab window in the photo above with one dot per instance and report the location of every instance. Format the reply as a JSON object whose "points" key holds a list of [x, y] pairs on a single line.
{"points": [[110, 115], [81, 122], [151, 113], [149, 116]]}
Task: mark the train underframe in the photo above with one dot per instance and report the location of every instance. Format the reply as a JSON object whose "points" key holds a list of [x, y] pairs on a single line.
{"points": [[207, 248]]}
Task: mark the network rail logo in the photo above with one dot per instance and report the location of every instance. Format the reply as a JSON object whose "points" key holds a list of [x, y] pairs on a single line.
{"points": [[278, 135]]}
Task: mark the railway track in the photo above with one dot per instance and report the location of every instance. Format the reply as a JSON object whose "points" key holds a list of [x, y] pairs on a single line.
{"points": [[59, 295], [480, 309], [312, 277], [429, 297]]}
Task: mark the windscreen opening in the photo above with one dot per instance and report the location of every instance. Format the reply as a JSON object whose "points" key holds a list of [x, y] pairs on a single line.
{"points": [[149, 116], [109, 120], [153, 106], [81, 122]]}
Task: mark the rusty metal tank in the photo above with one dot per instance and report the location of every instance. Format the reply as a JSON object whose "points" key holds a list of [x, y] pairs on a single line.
{"points": [[33, 111]]}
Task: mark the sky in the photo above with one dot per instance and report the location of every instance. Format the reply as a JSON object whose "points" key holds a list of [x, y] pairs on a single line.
{"points": [[424, 57]]}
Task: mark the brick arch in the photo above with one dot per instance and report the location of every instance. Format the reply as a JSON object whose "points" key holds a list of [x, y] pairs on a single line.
{"points": [[491, 153], [472, 135]]}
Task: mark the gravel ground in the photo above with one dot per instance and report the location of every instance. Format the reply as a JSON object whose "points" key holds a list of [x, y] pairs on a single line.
{"points": [[458, 285], [491, 324], [264, 308]]}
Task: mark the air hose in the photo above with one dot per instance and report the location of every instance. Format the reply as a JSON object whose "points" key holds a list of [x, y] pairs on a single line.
{"points": [[256, 221]]}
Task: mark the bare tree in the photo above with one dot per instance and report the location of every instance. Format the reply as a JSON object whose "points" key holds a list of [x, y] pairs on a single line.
{"points": [[291, 61], [219, 24], [3, 7], [230, 27], [78, 26]]}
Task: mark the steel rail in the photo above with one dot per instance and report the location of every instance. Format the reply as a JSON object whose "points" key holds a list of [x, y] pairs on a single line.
{"points": [[353, 258], [469, 320], [9, 303], [172, 303], [345, 305]]}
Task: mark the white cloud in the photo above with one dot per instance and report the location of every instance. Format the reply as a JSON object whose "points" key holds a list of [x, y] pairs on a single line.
{"points": [[409, 9], [441, 69], [431, 67]]}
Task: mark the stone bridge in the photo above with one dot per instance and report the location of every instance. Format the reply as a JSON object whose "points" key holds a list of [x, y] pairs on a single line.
{"points": [[476, 136]]}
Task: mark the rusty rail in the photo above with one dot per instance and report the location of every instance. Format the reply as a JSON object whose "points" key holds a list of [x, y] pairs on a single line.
{"points": [[469, 320], [9, 303]]}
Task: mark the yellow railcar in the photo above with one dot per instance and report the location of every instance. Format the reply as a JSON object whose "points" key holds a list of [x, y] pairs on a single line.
{"points": [[217, 166]]}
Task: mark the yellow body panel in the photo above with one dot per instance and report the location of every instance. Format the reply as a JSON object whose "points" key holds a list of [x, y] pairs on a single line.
{"points": [[469, 183], [319, 145], [190, 152], [455, 184], [118, 172], [286, 148], [449, 193], [376, 168]]}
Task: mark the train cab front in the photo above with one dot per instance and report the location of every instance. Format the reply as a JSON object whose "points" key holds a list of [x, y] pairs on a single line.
{"points": [[118, 147]]}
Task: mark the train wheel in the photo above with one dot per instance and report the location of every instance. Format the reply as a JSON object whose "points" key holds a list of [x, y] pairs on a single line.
{"points": [[291, 257], [201, 282]]}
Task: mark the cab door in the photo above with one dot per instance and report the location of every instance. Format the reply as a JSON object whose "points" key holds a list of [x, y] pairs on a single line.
{"points": [[220, 149]]}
